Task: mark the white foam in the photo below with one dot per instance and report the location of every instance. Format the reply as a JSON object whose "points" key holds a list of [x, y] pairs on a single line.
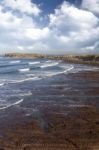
{"points": [[15, 61], [78, 105], [24, 70], [1, 84], [29, 93], [50, 74], [25, 94], [20, 81], [48, 61], [49, 65], [68, 69], [10, 105], [34, 63], [18, 102]]}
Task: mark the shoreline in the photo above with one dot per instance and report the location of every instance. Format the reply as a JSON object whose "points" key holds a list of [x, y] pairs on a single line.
{"points": [[57, 127], [83, 59]]}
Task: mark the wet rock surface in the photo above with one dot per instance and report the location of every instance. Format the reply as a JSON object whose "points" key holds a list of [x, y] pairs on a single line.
{"points": [[61, 123]]}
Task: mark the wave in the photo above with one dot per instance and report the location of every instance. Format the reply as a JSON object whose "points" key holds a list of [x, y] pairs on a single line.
{"points": [[54, 74], [61, 72], [29, 93], [28, 79], [34, 63], [26, 94], [49, 61], [9, 72], [78, 105], [1, 84], [68, 69], [14, 62], [49, 65], [2, 65], [10, 105], [24, 70], [30, 75]]}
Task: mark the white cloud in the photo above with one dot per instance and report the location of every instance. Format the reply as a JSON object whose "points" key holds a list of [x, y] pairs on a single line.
{"points": [[72, 18], [21, 48], [69, 30], [92, 5], [36, 33], [75, 27], [24, 6]]}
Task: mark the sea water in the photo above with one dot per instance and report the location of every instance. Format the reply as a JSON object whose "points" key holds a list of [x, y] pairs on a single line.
{"points": [[20, 77]]}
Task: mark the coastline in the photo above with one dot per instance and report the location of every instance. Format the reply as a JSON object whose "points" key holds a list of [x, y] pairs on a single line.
{"points": [[57, 127], [67, 115], [83, 59]]}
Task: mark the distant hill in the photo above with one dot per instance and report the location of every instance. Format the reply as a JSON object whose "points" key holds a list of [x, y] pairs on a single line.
{"points": [[83, 59]]}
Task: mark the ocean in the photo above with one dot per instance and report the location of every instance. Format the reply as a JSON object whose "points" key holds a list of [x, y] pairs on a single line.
{"points": [[30, 84]]}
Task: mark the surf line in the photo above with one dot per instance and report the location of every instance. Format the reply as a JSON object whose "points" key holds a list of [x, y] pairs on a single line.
{"points": [[1, 84], [14, 62], [16, 103]]}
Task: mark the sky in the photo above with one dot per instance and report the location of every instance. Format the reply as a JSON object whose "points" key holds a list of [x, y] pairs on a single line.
{"points": [[49, 26]]}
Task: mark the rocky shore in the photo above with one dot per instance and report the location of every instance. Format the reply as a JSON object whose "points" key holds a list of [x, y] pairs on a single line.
{"points": [[58, 127], [83, 59], [77, 131]]}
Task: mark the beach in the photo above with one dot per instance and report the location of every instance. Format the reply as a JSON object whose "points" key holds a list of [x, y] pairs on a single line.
{"points": [[61, 112]]}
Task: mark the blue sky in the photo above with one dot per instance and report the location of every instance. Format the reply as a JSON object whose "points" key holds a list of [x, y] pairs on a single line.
{"points": [[49, 5], [49, 26]]}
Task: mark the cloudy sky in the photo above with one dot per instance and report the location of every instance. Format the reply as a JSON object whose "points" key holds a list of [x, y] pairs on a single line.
{"points": [[49, 26]]}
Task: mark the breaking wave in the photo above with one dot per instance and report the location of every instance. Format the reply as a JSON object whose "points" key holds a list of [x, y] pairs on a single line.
{"points": [[1, 84], [34, 63], [28, 79], [24, 70], [10, 105], [14, 62], [49, 65]]}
